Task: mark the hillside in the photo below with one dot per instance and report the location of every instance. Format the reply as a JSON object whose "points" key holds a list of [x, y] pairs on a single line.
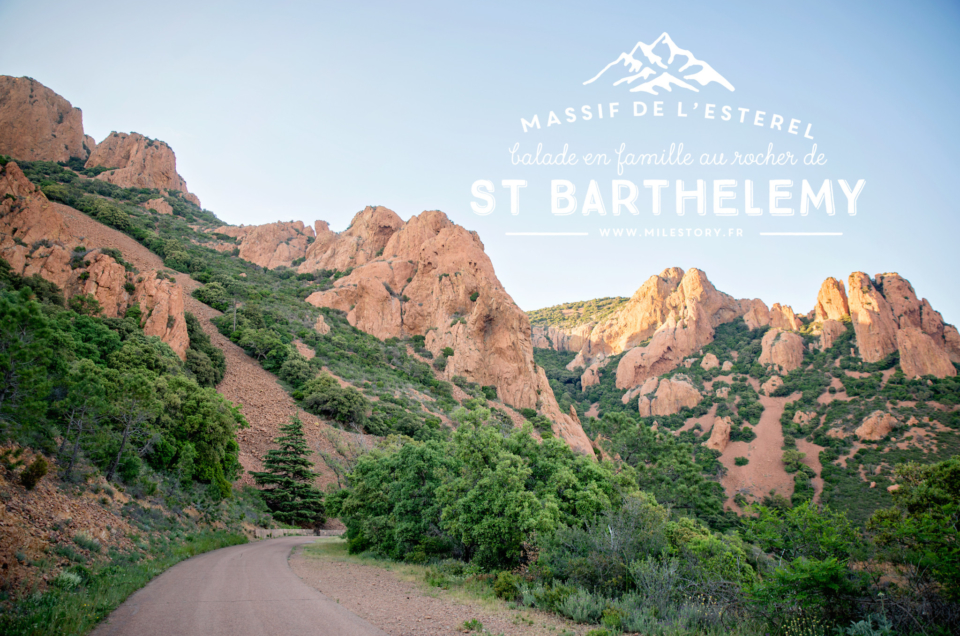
{"points": [[815, 405]]}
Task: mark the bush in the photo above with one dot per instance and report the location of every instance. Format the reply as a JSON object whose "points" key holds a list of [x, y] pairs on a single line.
{"points": [[33, 473], [507, 586], [741, 461]]}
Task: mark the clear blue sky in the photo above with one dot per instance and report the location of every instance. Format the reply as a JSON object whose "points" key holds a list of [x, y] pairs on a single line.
{"points": [[286, 110]]}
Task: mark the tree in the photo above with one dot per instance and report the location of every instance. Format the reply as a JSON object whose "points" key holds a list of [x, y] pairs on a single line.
{"points": [[82, 409], [287, 483], [135, 405]]}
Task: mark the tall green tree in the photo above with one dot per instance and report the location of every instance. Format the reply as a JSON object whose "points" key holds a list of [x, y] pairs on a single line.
{"points": [[287, 483]]}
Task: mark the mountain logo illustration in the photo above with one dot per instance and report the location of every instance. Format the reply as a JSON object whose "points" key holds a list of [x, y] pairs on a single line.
{"points": [[661, 65]]}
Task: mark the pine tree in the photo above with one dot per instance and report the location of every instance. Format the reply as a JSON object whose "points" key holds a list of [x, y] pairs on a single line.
{"points": [[287, 483]]}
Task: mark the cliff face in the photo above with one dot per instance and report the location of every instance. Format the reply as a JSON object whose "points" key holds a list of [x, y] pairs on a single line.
{"points": [[432, 277], [138, 162], [37, 124], [676, 311], [272, 245], [36, 238]]}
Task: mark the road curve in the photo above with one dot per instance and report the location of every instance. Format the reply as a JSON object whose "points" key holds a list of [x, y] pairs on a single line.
{"points": [[244, 590]]}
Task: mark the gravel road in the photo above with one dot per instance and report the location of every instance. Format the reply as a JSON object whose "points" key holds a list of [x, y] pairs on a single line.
{"points": [[244, 590]]}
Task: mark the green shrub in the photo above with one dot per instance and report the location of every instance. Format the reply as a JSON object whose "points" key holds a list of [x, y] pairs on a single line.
{"points": [[507, 586], [741, 461], [33, 473]]}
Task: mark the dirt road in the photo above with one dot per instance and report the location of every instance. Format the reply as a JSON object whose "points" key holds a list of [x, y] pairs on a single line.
{"points": [[244, 590]]}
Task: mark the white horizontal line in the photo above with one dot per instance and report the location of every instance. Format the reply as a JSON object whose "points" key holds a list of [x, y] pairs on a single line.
{"points": [[801, 233], [547, 234]]}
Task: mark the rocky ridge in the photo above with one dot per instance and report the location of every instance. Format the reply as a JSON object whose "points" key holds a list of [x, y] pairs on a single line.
{"points": [[38, 237]]}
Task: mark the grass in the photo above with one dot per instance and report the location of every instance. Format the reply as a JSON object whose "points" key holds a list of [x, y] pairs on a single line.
{"points": [[76, 610]]}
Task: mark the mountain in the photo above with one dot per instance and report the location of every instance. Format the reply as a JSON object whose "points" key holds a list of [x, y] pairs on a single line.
{"points": [[661, 56]]}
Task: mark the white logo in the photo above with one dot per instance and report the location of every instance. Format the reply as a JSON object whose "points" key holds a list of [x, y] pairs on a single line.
{"points": [[657, 69]]}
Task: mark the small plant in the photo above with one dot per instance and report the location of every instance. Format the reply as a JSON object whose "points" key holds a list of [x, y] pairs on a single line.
{"points": [[474, 296], [87, 543], [33, 473], [129, 287], [10, 458], [448, 352], [68, 580], [741, 461], [473, 625]]}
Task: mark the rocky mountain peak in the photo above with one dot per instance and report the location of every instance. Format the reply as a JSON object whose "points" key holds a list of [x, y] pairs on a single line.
{"points": [[36, 124]]}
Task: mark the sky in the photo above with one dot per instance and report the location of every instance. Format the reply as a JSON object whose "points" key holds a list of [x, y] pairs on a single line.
{"points": [[313, 110]]}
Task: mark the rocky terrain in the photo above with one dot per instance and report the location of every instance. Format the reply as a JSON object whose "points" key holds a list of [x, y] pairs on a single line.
{"points": [[51, 240], [768, 390], [135, 161], [37, 124]]}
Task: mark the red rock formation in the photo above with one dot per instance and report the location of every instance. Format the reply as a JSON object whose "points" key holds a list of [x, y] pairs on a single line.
{"points": [[920, 355], [158, 205], [272, 245], [782, 317], [37, 124], [431, 277], [46, 248], [366, 239], [782, 349], [692, 311], [771, 385], [562, 338], [832, 301], [139, 162], [709, 361], [872, 318], [672, 395], [720, 434], [756, 315], [830, 331], [876, 426]]}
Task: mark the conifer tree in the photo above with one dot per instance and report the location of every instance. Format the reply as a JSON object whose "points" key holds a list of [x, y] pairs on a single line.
{"points": [[287, 483]]}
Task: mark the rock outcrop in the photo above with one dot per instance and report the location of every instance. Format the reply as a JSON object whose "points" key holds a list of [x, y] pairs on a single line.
{"points": [[46, 247], [782, 349], [158, 205], [830, 330], [872, 319], [561, 338], [756, 314], [782, 317], [832, 301], [690, 311], [771, 385], [876, 426], [709, 361], [36, 124], [138, 162], [431, 277], [272, 245], [883, 308], [365, 240], [720, 434], [920, 356], [672, 395]]}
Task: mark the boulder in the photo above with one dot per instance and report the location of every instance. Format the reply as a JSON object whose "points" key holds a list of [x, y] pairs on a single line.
{"points": [[321, 327], [727, 366], [832, 301], [709, 361], [720, 434], [672, 395], [771, 385], [876, 426], [782, 349], [36, 124], [756, 315], [138, 162]]}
